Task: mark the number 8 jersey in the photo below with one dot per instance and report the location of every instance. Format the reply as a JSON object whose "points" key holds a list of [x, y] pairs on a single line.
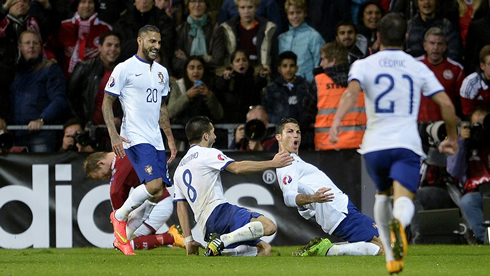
{"points": [[197, 180], [393, 83], [140, 88]]}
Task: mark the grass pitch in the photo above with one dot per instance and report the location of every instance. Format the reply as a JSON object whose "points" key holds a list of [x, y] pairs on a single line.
{"points": [[421, 260]]}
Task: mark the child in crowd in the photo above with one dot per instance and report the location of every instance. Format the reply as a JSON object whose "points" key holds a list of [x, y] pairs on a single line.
{"points": [[302, 39], [286, 96]]}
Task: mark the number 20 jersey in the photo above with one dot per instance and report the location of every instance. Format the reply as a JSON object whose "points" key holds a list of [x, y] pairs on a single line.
{"points": [[393, 83], [140, 88], [197, 180]]}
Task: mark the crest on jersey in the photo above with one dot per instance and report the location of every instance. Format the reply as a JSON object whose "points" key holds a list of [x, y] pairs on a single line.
{"points": [[287, 179], [149, 169], [220, 157], [448, 74], [112, 82], [160, 76]]}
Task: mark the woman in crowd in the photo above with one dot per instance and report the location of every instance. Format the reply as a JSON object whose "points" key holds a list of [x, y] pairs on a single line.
{"points": [[239, 88], [199, 36], [191, 96], [370, 13]]}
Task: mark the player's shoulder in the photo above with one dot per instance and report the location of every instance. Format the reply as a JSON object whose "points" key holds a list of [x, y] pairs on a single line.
{"points": [[126, 64]]}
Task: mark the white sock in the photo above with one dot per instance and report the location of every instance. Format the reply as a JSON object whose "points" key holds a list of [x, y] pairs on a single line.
{"points": [[143, 230], [250, 231], [382, 216], [354, 249], [137, 217], [403, 210], [135, 199], [160, 213], [242, 250]]}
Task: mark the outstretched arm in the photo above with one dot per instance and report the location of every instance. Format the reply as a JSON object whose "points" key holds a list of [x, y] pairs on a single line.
{"points": [[280, 160], [347, 102], [165, 125]]}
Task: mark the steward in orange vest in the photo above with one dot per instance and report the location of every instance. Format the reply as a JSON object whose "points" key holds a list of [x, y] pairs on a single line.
{"points": [[328, 98]]}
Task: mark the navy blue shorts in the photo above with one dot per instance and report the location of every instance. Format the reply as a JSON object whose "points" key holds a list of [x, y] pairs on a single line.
{"points": [[356, 226], [226, 218], [149, 163], [400, 164]]}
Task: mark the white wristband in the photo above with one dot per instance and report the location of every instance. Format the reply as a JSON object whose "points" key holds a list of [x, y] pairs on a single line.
{"points": [[188, 239]]}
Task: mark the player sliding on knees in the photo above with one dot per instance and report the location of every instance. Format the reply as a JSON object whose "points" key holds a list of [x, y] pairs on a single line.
{"points": [[198, 184], [310, 190]]}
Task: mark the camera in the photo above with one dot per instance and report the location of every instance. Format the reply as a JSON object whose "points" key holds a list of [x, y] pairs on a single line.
{"points": [[6, 140], [255, 130], [432, 133], [83, 138], [480, 133]]}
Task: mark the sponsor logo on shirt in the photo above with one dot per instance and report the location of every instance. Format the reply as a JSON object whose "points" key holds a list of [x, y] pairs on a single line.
{"points": [[149, 169], [287, 179]]}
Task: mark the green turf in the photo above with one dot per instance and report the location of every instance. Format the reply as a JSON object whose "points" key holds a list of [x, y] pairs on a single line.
{"points": [[421, 260]]}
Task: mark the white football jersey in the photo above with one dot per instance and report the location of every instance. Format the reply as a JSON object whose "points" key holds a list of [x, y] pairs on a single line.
{"points": [[197, 180], [393, 82], [303, 178], [141, 89]]}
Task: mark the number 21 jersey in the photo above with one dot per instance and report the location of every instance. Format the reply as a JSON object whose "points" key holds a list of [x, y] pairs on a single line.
{"points": [[393, 83]]}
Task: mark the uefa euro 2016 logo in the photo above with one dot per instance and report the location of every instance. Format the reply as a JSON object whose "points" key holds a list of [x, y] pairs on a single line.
{"points": [[287, 179]]}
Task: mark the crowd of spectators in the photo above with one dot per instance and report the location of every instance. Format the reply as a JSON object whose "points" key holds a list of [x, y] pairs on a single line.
{"points": [[224, 57]]}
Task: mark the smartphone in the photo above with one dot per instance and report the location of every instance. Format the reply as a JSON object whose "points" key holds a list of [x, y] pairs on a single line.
{"points": [[198, 83]]}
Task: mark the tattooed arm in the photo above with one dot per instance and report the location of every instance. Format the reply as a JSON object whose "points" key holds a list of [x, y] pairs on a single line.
{"points": [[165, 125], [116, 140]]}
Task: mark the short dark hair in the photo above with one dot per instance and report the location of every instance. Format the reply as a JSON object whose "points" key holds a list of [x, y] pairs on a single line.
{"points": [[392, 29], [288, 55], [148, 28], [74, 5], [196, 127], [72, 122], [280, 125], [345, 22], [109, 33]]}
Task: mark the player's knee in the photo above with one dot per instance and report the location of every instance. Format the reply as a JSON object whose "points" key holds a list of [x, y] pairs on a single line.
{"points": [[264, 249], [269, 227], [155, 188]]}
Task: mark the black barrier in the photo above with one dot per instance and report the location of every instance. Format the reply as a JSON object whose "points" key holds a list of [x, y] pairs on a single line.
{"points": [[46, 201]]}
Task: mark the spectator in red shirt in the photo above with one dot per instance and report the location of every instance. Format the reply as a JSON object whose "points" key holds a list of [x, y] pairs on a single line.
{"points": [[475, 90], [449, 73], [78, 37]]}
